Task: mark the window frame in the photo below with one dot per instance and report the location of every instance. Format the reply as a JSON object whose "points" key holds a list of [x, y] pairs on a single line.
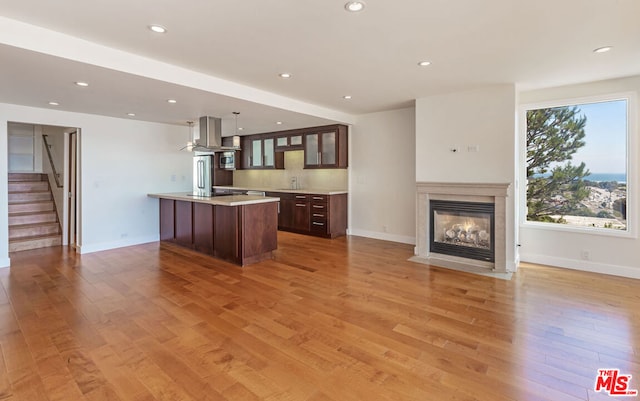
{"points": [[631, 164]]}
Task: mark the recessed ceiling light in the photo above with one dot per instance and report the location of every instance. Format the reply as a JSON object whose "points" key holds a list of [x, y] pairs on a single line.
{"points": [[424, 63], [354, 6], [158, 28], [285, 75], [172, 101], [346, 97], [240, 128], [54, 103], [80, 83], [603, 49], [279, 122], [131, 114]]}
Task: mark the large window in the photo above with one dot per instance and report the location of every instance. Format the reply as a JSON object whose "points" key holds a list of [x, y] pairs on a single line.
{"points": [[577, 165]]}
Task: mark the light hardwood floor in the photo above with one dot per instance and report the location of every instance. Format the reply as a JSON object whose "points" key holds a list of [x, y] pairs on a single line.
{"points": [[344, 319]]}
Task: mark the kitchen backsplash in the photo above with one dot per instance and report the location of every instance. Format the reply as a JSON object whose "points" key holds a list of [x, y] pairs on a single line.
{"points": [[293, 169]]}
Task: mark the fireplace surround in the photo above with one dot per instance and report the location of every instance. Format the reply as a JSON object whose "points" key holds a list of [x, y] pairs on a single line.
{"points": [[494, 194]]}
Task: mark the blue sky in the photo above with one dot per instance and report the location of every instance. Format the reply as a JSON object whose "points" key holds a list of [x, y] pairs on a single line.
{"points": [[606, 137]]}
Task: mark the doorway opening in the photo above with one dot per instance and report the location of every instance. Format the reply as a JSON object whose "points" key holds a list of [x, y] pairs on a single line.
{"points": [[42, 190]]}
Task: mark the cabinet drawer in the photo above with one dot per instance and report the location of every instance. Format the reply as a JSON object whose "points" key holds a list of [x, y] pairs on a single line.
{"points": [[318, 207], [319, 214], [319, 225]]}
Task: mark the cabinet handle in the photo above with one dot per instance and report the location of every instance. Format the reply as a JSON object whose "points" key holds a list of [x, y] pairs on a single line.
{"points": [[318, 198], [319, 157], [318, 215], [300, 205], [317, 224], [278, 207], [318, 207], [301, 197]]}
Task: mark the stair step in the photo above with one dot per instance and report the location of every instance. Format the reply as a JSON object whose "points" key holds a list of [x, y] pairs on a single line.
{"points": [[32, 218], [28, 186], [32, 230], [27, 177], [34, 242], [40, 206], [29, 197]]}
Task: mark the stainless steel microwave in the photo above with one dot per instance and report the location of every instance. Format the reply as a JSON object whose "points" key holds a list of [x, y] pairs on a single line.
{"points": [[228, 160]]}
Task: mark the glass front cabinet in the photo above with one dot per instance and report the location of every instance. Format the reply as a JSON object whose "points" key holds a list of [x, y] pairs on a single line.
{"points": [[326, 148]]}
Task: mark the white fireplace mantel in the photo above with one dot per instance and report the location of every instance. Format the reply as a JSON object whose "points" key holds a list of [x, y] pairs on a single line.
{"points": [[495, 193]]}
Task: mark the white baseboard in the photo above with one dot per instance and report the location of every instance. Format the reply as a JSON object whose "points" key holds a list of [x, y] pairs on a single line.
{"points": [[383, 236], [105, 246], [583, 265], [5, 262]]}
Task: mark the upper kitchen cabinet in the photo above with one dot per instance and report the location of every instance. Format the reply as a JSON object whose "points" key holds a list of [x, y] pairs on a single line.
{"points": [[258, 152], [285, 142], [326, 148]]}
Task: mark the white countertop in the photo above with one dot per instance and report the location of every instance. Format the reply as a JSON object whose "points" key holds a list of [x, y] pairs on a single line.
{"points": [[309, 191], [229, 200]]}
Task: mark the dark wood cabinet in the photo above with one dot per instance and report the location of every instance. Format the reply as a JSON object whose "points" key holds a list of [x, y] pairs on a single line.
{"points": [[314, 214], [326, 148], [287, 141], [167, 220], [285, 209], [242, 234], [203, 228], [226, 233], [259, 227], [319, 214], [184, 223], [301, 213], [259, 152]]}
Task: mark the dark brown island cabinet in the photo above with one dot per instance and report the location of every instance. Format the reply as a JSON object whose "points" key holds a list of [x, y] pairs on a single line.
{"points": [[321, 215], [234, 229]]}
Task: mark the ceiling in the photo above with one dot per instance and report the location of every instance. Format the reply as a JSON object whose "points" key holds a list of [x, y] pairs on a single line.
{"points": [[220, 56]]}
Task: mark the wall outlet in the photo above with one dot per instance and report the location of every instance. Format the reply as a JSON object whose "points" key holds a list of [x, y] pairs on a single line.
{"points": [[585, 255]]}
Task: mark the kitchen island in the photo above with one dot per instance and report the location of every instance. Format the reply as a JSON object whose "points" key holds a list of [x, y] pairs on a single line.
{"points": [[241, 229]]}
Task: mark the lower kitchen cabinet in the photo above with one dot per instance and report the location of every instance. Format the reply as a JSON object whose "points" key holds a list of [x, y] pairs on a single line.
{"points": [[242, 234], [203, 224], [301, 213], [184, 223], [285, 210], [312, 214]]}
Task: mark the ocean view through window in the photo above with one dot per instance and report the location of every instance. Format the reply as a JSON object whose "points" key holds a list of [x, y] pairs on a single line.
{"points": [[576, 165]]}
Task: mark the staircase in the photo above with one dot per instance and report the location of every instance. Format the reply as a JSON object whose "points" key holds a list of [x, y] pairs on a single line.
{"points": [[33, 221]]}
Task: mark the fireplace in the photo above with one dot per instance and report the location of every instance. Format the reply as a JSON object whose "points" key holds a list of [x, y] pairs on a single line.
{"points": [[473, 232], [464, 229]]}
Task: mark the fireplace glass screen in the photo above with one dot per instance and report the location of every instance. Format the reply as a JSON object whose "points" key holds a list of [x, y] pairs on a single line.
{"points": [[463, 229]]}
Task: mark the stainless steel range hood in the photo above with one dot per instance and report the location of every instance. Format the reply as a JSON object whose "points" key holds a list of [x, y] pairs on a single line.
{"points": [[210, 139]]}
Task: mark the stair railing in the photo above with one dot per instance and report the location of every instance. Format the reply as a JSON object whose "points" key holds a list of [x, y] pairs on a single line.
{"points": [[56, 175]]}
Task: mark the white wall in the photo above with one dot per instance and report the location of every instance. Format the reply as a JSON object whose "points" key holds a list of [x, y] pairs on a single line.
{"points": [[121, 161], [484, 118], [382, 182], [608, 254]]}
